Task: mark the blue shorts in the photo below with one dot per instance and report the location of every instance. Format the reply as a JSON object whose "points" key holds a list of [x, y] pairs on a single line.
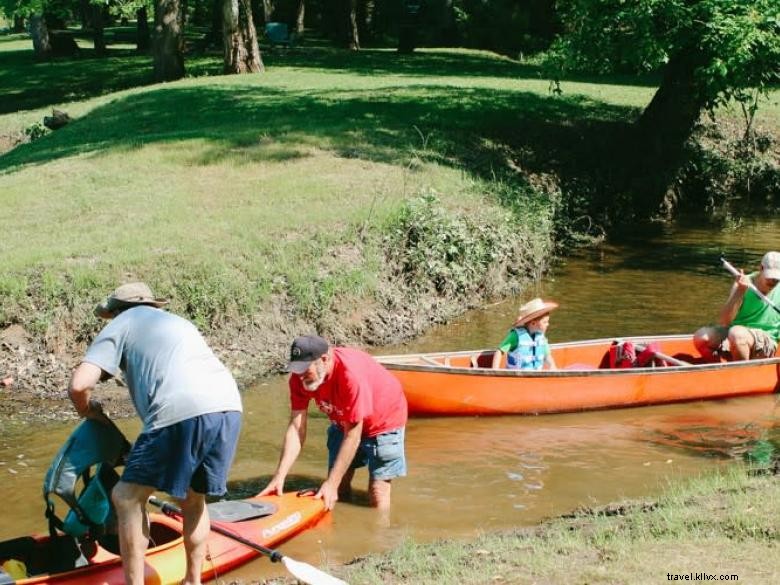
{"points": [[384, 453], [194, 453]]}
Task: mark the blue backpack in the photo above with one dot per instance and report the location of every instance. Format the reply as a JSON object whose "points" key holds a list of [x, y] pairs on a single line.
{"points": [[90, 455]]}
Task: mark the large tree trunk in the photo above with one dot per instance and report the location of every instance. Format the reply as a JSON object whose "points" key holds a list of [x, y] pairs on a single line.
{"points": [[167, 49], [142, 36], [242, 53], [40, 37], [97, 30], [657, 148]]}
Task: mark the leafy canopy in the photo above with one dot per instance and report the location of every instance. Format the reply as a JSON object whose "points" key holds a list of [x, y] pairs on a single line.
{"points": [[736, 42]]}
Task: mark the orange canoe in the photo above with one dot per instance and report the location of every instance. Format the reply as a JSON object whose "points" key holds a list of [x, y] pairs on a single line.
{"points": [[463, 383], [47, 560]]}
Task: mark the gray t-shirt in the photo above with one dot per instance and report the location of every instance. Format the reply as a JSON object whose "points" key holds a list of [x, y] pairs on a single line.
{"points": [[171, 373]]}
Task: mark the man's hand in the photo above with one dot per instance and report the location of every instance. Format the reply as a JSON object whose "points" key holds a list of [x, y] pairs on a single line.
{"points": [[274, 487], [743, 281], [329, 493]]}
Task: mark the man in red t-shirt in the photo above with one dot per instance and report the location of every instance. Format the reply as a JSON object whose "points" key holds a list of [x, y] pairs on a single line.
{"points": [[367, 410]]}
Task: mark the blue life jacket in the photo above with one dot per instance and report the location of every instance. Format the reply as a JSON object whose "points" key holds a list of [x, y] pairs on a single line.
{"points": [[92, 445], [530, 351]]}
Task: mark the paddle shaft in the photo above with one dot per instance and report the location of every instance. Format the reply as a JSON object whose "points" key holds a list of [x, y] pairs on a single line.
{"points": [[752, 286], [170, 510]]}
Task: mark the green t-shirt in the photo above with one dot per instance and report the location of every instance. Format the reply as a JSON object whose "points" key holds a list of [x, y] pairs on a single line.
{"points": [[756, 314]]}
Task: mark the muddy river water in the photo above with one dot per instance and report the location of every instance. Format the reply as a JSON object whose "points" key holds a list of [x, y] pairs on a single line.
{"points": [[470, 475]]}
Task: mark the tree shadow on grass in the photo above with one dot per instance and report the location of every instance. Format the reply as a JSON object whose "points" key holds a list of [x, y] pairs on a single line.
{"points": [[29, 84], [487, 132], [440, 62]]}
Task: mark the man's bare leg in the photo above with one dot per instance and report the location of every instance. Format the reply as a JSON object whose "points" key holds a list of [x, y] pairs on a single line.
{"points": [[133, 527], [196, 522], [345, 487], [741, 342], [379, 493]]}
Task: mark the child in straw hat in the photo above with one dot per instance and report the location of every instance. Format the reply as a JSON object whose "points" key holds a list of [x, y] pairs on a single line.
{"points": [[525, 345]]}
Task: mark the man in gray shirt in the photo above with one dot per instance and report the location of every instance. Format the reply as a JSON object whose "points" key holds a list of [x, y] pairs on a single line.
{"points": [[191, 411]]}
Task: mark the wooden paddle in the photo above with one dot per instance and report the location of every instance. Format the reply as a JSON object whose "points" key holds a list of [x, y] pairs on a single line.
{"points": [[752, 286], [301, 571]]}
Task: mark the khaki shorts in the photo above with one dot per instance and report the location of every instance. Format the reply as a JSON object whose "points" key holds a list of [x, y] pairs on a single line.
{"points": [[764, 345]]}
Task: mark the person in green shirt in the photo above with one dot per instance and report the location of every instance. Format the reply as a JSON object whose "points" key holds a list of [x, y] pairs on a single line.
{"points": [[748, 328]]}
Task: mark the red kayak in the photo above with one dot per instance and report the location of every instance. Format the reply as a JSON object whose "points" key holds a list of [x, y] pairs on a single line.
{"points": [[267, 521]]}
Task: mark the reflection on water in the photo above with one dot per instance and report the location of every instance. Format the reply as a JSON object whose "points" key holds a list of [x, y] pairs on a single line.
{"points": [[467, 475]]}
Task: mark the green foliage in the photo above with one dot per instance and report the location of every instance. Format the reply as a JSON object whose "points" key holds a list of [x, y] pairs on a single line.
{"points": [[454, 254], [35, 131], [737, 43]]}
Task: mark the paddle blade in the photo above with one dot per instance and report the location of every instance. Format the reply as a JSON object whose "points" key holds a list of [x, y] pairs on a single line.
{"points": [[308, 574]]}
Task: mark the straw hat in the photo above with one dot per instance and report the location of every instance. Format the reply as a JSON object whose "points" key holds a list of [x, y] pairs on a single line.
{"points": [[127, 295], [533, 309]]}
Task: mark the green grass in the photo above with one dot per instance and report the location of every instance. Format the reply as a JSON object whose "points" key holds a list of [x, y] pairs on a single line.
{"points": [[721, 524], [253, 185]]}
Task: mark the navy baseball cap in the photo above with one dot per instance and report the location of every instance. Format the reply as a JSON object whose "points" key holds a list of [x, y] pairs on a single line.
{"points": [[304, 350]]}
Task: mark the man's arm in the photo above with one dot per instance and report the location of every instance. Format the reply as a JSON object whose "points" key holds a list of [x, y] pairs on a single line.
{"points": [[734, 302], [294, 438], [329, 490], [82, 382]]}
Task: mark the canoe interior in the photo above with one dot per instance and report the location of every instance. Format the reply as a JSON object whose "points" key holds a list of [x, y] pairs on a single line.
{"points": [[580, 355]]}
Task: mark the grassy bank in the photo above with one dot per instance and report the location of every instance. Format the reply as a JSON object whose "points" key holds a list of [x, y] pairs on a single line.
{"points": [[365, 196], [727, 524]]}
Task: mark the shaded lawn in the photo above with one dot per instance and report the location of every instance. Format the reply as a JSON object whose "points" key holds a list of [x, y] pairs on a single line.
{"points": [[28, 84]]}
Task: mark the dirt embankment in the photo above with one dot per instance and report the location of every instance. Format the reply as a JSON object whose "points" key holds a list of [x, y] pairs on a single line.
{"points": [[37, 369]]}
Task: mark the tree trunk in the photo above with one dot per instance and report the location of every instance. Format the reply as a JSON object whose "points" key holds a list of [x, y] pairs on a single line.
{"points": [[167, 49], [407, 30], [85, 14], [142, 36], [97, 30], [18, 24], [215, 32], [658, 146], [242, 53], [353, 37], [268, 10], [299, 17], [40, 37]]}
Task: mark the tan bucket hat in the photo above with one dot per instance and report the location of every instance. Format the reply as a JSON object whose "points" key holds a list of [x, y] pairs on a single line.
{"points": [[533, 309], [132, 293]]}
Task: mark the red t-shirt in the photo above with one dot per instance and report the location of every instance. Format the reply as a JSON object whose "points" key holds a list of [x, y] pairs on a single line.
{"points": [[359, 388]]}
